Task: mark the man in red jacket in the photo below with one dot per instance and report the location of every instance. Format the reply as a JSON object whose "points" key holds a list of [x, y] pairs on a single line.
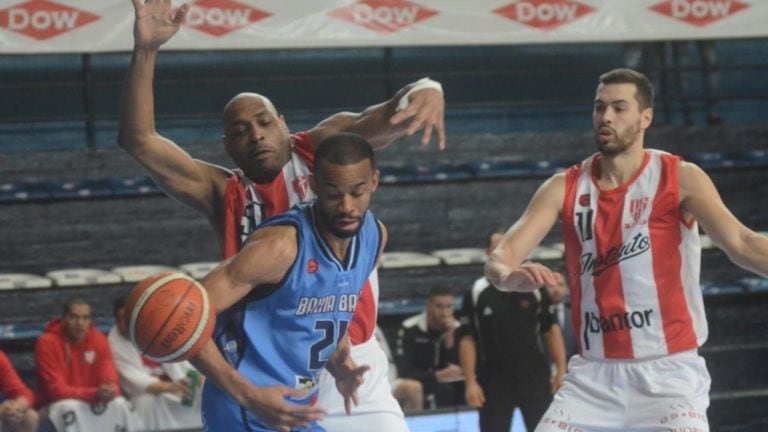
{"points": [[16, 400], [76, 376]]}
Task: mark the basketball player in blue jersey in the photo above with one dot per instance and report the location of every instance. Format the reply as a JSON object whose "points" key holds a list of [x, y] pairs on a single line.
{"points": [[269, 176], [298, 278]]}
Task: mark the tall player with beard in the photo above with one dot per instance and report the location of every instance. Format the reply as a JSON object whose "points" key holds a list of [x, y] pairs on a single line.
{"points": [[630, 224], [273, 166]]}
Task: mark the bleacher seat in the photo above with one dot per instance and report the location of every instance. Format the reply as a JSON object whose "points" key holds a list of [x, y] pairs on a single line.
{"points": [[546, 253], [23, 191], [86, 188], [755, 284], [83, 277], [401, 306], [721, 288], [516, 168], [394, 260], [461, 256], [755, 158], [441, 172], [137, 273], [711, 160], [10, 281], [391, 174], [198, 270], [132, 185], [21, 331]]}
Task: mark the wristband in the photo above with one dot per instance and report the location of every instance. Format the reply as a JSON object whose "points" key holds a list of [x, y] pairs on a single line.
{"points": [[421, 84]]}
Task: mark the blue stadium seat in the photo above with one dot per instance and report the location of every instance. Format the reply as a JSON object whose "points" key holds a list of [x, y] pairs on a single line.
{"points": [[500, 169], [23, 191], [391, 174], [132, 185], [441, 172], [751, 158], [721, 288], [754, 284], [712, 160], [86, 188], [517, 168]]}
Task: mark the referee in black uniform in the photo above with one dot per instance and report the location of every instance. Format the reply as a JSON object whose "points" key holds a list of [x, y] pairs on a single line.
{"points": [[502, 356]]}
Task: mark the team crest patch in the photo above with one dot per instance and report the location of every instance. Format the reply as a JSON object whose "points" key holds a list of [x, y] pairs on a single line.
{"points": [[312, 266], [584, 200], [90, 356], [637, 208]]}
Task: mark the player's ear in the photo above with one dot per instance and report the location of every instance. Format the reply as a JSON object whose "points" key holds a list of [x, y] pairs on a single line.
{"points": [[646, 118], [375, 180]]}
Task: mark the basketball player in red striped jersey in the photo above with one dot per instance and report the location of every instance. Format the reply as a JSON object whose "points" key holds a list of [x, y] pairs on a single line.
{"points": [[630, 224], [271, 176]]}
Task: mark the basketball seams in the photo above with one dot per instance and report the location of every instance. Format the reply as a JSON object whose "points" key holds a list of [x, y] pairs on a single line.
{"points": [[144, 297], [199, 328], [179, 301]]}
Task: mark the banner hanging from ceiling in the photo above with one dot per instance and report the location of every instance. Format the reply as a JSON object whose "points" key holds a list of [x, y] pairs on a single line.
{"points": [[59, 26]]}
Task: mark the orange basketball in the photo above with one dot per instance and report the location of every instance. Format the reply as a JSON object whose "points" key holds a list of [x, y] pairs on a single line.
{"points": [[169, 317]]}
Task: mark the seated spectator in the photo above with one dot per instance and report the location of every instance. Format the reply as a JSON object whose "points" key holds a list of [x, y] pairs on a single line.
{"points": [[408, 392], [16, 401], [162, 395], [427, 351], [76, 377]]}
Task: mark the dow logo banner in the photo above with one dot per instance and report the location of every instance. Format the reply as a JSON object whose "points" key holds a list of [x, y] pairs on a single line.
{"points": [[43, 26]]}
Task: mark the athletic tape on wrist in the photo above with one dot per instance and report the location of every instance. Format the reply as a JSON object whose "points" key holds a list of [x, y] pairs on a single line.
{"points": [[420, 85]]}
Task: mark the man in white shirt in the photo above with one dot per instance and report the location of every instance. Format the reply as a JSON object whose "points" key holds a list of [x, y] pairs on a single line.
{"points": [[165, 396]]}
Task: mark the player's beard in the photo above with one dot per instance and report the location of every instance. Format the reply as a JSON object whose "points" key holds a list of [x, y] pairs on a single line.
{"points": [[621, 141], [329, 222]]}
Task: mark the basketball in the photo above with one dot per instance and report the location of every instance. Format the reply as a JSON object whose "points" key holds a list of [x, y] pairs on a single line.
{"points": [[169, 317]]}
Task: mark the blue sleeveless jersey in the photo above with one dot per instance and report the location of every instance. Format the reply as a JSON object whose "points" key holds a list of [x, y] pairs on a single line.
{"points": [[287, 336]]}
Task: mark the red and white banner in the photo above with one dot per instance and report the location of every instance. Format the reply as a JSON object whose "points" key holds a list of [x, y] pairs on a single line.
{"points": [[36, 26]]}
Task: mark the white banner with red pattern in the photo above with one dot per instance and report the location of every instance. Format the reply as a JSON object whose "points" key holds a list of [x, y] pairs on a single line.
{"points": [[38, 26]]}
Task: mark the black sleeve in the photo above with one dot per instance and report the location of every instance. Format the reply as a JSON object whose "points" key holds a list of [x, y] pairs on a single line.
{"points": [[406, 359]]}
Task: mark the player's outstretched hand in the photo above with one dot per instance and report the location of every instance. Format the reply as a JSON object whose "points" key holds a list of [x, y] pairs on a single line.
{"points": [[425, 111], [529, 276], [156, 22], [349, 376], [269, 404]]}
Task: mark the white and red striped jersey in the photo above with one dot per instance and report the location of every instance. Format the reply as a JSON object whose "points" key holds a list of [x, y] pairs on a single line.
{"points": [[633, 263], [247, 204]]}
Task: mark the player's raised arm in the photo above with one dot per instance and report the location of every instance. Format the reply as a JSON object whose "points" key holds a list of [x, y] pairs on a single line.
{"points": [[174, 170], [419, 106], [700, 198], [505, 267]]}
